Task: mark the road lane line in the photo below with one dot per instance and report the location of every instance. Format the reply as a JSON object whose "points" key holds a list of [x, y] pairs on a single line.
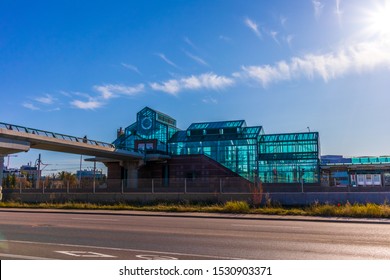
{"points": [[121, 249], [263, 226], [23, 257]]}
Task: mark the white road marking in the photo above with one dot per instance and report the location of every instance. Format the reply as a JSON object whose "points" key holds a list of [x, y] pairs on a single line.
{"points": [[263, 226], [121, 249], [155, 257], [89, 219], [85, 254], [22, 257]]}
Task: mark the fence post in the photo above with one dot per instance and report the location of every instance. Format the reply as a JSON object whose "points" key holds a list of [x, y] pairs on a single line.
{"points": [[43, 187], [122, 186], [152, 185], [220, 185], [67, 187], [185, 185], [20, 187]]}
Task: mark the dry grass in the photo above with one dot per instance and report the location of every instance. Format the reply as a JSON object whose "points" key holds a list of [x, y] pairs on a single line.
{"points": [[368, 210]]}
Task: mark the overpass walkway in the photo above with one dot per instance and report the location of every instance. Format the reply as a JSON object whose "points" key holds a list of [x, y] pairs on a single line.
{"points": [[15, 138]]}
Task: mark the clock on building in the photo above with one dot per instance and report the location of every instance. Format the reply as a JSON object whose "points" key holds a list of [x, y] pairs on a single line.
{"points": [[146, 123]]}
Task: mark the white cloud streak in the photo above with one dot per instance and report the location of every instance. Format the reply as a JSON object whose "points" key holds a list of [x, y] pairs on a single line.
{"points": [[164, 58], [196, 59], [289, 38], [274, 36], [131, 67], [91, 104], [283, 21], [209, 100], [204, 81], [252, 26], [30, 106], [318, 7], [338, 11], [356, 58], [189, 42], [110, 91], [47, 99]]}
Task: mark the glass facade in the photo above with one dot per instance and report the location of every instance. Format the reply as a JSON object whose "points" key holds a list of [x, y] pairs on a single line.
{"points": [[150, 125], [230, 143], [287, 158]]}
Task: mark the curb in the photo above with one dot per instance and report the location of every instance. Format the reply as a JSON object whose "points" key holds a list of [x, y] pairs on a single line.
{"points": [[201, 215]]}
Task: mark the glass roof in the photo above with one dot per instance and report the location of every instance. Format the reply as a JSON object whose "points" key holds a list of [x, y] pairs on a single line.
{"points": [[217, 125], [289, 137], [367, 160], [247, 133]]}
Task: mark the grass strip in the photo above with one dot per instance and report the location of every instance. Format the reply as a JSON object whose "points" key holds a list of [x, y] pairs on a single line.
{"points": [[369, 210]]}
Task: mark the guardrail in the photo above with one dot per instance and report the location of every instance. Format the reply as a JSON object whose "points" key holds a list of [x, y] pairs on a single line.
{"points": [[54, 135]]}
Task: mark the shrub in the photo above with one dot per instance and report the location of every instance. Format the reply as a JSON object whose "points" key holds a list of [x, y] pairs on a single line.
{"points": [[236, 207]]}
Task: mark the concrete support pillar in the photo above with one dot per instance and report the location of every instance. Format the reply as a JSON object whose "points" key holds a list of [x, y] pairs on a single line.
{"points": [[1, 175], [131, 169]]}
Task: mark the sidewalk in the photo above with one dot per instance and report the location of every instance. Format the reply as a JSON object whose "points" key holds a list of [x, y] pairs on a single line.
{"points": [[201, 215]]}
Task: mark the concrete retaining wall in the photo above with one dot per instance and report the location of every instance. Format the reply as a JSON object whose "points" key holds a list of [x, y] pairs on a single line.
{"points": [[289, 199]]}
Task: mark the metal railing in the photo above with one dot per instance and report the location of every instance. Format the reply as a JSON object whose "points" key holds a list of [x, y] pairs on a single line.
{"points": [[54, 135], [171, 185]]}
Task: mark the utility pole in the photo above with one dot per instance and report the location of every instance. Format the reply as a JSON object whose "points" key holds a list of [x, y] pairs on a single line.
{"points": [[81, 160], [94, 176], [39, 172]]}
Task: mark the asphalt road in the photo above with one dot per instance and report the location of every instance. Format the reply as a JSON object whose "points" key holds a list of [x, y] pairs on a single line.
{"points": [[25, 235]]}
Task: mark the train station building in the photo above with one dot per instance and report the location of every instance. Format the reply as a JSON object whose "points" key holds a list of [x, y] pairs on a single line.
{"points": [[210, 150]]}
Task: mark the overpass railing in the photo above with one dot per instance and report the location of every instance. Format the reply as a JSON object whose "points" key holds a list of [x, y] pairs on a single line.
{"points": [[54, 135]]}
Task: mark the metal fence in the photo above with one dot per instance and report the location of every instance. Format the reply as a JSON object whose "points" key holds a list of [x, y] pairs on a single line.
{"points": [[168, 185]]}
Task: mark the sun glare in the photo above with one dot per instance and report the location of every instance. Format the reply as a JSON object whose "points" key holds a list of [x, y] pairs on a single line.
{"points": [[379, 20]]}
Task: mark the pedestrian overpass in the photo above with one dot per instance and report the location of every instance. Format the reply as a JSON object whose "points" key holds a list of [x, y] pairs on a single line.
{"points": [[15, 139]]}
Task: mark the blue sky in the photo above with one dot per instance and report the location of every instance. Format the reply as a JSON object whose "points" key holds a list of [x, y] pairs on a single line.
{"points": [[86, 68]]}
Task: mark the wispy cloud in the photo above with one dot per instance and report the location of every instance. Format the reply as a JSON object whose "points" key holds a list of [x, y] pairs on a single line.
{"points": [[338, 11], [252, 25], [30, 106], [105, 92], [196, 58], [189, 42], [164, 58], [131, 67], [91, 104], [289, 38], [274, 36], [356, 58], [283, 21], [47, 99], [170, 86], [318, 7], [111, 91], [209, 100], [203, 81]]}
